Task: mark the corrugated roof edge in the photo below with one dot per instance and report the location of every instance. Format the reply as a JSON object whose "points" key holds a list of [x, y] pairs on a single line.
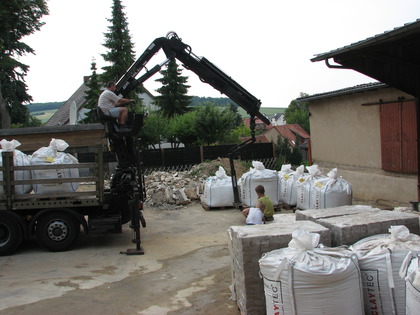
{"points": [[349, 90], [379, 37]]}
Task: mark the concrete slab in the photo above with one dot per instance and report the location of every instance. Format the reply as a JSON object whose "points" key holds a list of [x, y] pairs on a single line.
{"points": [[348, 229], [315, 214]]}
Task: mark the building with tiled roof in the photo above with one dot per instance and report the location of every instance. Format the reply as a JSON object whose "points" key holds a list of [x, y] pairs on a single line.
{"points": [[369, 132], [62, 115]]}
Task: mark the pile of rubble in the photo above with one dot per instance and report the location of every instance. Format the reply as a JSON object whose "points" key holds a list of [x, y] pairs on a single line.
{"points": [[171, 190]]}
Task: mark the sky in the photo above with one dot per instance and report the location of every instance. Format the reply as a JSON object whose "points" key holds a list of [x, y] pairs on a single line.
{"points": [[264, 45]]}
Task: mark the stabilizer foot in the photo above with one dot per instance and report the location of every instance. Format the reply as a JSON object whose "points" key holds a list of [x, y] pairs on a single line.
{"points": [[132, 251]]}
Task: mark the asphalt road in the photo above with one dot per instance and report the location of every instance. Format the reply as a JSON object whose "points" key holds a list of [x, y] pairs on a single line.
{"points": [[185, 270]]}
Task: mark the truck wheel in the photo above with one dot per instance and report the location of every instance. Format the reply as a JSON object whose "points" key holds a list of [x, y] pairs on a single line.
{"points": [[11, 235], [57, 231]]}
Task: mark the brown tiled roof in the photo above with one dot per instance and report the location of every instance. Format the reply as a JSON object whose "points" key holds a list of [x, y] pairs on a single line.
{"points": [[61, 116], [289, 131]]}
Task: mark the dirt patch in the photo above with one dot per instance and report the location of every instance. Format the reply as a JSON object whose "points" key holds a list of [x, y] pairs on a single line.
{"points": [[209, 168]]}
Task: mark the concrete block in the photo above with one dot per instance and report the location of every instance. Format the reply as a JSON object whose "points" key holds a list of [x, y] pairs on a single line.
{"points": [[316, 214], [247, 244], [348, 229]]}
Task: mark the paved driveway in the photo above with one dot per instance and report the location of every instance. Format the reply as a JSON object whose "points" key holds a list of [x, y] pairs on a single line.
{"points": [[185, 270]]}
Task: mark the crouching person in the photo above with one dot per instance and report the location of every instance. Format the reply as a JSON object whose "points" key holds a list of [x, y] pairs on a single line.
{"points": [[255, 216]]}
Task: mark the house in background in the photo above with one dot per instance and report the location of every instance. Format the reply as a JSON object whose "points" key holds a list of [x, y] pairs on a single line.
{"points": [[62, 115], [295, 135], [368, 132], [278, 119]]}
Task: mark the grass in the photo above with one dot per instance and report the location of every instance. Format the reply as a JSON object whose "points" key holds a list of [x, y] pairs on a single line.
{"points": [[44, 115]]}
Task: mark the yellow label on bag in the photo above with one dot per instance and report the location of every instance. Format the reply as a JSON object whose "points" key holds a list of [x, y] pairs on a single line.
{"points": [[49, 159], [319, 185], [286, 177]]}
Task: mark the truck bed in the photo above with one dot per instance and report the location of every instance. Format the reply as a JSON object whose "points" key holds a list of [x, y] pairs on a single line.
{"points": [[89, 192]]}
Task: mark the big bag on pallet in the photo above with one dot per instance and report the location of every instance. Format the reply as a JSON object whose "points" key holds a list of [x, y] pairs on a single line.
{"points": [[218, 191], [259, 175], [331, 192], [304, 187], [53, 155], [19, 159], [305, 278], [288, 184], [410, 272], [380, 259]]}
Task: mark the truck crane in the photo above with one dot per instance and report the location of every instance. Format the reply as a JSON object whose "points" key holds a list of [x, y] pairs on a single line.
{"points": [[55, 220]]}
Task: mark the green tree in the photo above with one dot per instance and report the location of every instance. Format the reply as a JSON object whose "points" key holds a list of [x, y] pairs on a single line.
{"points": [[173, 99], [18, 18], [91, 96], [183, 128], [238, 119], [155, 130], [237, 134], [298, 113], [213, 124], [118, 42]]}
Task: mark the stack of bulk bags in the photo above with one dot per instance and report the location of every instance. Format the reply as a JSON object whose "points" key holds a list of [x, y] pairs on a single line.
{"points": [[331, 192], [53, 155], [19, 159], [410, 272], [306, 279], [288, 184], [304, 187], [259, 176], [380, 259], [218, 191]]}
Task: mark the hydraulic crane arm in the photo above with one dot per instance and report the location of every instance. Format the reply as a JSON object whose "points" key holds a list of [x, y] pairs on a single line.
{"points": [[173, 47]]}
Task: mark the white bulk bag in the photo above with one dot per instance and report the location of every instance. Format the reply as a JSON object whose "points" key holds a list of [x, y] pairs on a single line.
{"points": [[19, 159], [259, 175], [410, 272], [331, 192], [304, 187], [306, 279], [288, 184], [380, 259], [53, 155], [218, 191]]}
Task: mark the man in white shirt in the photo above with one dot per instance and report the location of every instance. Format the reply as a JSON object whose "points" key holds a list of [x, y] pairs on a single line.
{"points": [[113, 105]]}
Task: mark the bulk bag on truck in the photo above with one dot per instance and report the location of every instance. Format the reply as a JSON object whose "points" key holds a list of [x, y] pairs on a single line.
{"points": [[305, 278], [304, 187], [259, 175], [410, 272], [288, 183], [218, 191], [331, 192], [19, 159], [380, 259], [53, 155]]}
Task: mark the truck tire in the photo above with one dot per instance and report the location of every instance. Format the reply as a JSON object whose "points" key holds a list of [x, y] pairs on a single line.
{"points": [[11, 234], [57, 231]]}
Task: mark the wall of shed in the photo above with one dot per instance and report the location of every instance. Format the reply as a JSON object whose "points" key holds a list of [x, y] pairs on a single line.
{"points": [[346, 135]]}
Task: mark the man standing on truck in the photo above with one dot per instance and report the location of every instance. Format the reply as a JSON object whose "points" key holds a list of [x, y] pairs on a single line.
{"points": [[113, 105]]}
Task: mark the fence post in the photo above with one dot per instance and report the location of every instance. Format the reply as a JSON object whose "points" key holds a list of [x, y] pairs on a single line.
{"points": [[201, 154], [162, 155]]}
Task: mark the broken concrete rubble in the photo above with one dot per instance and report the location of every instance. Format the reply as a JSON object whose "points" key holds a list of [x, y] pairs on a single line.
{"points": [[170, 190]]}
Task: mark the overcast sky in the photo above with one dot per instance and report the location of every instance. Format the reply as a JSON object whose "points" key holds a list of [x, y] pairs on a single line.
{"points": [[264, 45]]}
